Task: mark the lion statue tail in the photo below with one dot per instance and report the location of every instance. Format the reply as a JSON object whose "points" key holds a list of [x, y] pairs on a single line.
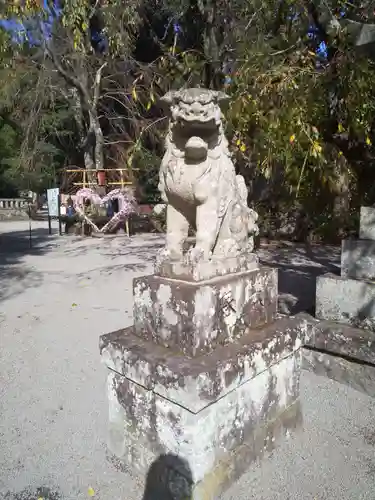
{"points": [[242, 189], [253, 216]]}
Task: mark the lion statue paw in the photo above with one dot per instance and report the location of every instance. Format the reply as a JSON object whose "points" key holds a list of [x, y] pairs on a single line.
{"points": [[162, 255], [196, 254]]}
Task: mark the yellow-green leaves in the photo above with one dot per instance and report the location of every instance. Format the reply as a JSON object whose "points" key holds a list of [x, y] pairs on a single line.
{"points": [[241, 145], [316, 149]]}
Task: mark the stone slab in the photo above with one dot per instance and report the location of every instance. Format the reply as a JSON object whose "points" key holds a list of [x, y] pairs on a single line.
{"points": [[144, 425], [197, 383], [169, 476], [196, 317], [205, 270], [340, 339], [360, 377], [346, 300], [358, 259], [367, 223]]}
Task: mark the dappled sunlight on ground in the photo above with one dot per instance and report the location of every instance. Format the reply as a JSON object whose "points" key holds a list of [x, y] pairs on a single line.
{"points": [[58, 297]]}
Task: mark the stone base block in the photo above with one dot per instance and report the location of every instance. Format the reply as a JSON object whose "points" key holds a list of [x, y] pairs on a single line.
{"points": [[340, 340], [360, 377], [196, 317], [202, 409], [195, 383], [170, 476], [358, 259], [340, 352], [367, 223], [346, 300], [201, 271]]}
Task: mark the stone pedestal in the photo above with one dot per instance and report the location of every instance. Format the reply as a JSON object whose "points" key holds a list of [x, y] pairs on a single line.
{"points": [[358, 259], [208, 373], [350, 298], [195, 317], [367, 223], [201, 271]]}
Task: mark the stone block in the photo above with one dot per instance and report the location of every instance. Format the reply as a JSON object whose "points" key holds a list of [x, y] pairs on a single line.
{"points": [[195, 317], [340, 352], [358, 259], [367, 223], [197, 382], [346, 300], [202, 409], [360, 377], [340, 339], [201, 270]]}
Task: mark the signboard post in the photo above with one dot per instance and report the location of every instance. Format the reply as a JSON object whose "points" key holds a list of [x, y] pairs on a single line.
{"points": [[53, 200], [30, 235], [60, 228]]}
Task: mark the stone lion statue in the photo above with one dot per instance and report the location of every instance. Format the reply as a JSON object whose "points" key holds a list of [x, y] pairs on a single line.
{"points": [[198, 181]]}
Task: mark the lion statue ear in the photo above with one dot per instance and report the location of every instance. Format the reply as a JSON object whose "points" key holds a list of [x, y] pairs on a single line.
{"points": [[167, 101]]}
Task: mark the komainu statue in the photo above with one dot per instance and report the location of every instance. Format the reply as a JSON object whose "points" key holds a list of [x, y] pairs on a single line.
{"points": [[198, 181]]}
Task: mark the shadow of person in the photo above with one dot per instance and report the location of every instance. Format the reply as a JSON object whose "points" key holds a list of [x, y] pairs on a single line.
{"points": [[169, 478]]}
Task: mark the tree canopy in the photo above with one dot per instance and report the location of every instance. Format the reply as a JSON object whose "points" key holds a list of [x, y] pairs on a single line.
{"points": [[81, 81]]}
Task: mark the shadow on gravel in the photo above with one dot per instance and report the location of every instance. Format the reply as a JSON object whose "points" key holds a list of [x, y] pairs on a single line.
{"points": [[299, 265], [40, 493], [15, 276]]}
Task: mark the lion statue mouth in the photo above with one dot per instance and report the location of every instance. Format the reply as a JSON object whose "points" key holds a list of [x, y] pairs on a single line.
{"points": [[196, 148], [196, 137]]}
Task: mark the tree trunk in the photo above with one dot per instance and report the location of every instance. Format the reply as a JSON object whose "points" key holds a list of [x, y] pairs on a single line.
{"points": [[93, 140], [212, 67], [87, 139], [99, 141], [88, 152]]}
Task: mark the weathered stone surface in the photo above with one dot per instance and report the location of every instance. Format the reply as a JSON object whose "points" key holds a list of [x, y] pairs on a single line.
{"points": [[196, 383], [199, 183], [264, 439], [360, 377], [196, 317], [346, 300], [170, 476], [358, 259], [367, 223], [143, 424], [340, 339], [205, 270]]}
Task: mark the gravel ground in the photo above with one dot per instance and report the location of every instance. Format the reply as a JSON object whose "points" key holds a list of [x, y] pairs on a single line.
{"points": [[59, 296]]}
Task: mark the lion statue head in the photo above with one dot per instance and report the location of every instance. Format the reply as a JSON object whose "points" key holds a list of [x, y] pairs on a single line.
{"points": [[195, 128]]}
